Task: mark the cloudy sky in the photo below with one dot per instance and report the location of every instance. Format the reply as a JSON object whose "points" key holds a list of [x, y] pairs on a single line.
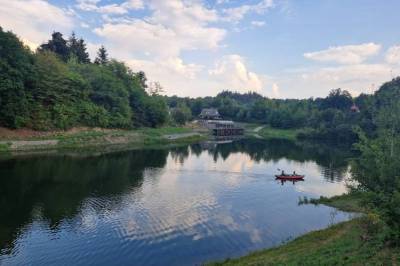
{"points": [[279, 48]]}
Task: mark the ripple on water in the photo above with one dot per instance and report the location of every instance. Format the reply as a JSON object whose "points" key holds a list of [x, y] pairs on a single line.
{"points": [[185, 211]]}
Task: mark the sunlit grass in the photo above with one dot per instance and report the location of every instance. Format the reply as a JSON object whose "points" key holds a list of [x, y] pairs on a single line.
{"points": [[356, 242], [277, 133]]}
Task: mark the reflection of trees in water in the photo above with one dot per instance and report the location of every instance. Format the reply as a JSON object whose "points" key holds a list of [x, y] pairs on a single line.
{"points": [[334, 173], [179, 154], [332, 160], [58, 186]]}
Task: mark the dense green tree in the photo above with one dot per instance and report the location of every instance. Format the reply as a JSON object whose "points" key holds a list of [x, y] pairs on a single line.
{"points": [[339, 99], [56, 94], [181, 114], [77, 49], [16, 80], [58, 87], [102, 56], [57, 45], [142, 79]]}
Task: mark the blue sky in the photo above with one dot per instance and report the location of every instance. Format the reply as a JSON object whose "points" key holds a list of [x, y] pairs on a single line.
{"points": [[279, 48]]}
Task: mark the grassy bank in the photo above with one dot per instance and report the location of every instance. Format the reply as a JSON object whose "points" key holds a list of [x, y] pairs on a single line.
{"points": [[351, 202], [356, 242], [95, 137], [276, 133], [341, 244]]}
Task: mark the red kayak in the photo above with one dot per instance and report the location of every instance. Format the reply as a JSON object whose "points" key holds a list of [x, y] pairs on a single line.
{"points": [[290, 177]]}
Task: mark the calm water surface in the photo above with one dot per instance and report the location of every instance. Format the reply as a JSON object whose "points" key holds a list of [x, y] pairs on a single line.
{"points": [[176, 206]]}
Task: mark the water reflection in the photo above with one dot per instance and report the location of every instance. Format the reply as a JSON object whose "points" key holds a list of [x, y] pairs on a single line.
{"points": [[284, 181], [56, 186], [193, 203]]}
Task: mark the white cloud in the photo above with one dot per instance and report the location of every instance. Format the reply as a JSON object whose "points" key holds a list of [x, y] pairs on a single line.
{"points": [[171, 66], [235, 14], [155, 44], [118, 9], [87, 5], [232, 71], [258, 23], [220, 2], [173, 27], [84, 25], [317, 82], [34, 20], [348, 54], [275, 91], [393, 55], [135, 4], [175, 76]]}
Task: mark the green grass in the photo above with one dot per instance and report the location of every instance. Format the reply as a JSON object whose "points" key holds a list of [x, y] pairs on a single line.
{"points": [[100, 138], [351, 202], [341, 244], [163, 131], [356, 242], [4, 147], [248, 126], [277, 133], [142, 136]]}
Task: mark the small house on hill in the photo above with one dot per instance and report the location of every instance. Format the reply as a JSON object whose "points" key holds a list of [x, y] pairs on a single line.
{"points": [[354, 108], [210, 114]]}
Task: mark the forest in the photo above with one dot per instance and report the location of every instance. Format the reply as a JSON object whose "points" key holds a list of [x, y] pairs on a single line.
{"points": [[331, 118], [57, 87]]}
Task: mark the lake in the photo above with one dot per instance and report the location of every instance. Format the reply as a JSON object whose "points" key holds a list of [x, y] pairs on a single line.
{"points": [[173, 206]]}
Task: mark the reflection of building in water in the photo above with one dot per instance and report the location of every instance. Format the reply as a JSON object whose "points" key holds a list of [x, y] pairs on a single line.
{"points": [[208, 145], [212, 144]]}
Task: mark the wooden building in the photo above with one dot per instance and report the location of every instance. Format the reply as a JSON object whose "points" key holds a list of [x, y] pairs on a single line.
{"points": [[211, 119], [210, 114]]}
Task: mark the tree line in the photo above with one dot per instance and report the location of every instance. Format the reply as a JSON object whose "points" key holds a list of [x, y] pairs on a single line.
{"points": [[58, 87], [329, 118]]}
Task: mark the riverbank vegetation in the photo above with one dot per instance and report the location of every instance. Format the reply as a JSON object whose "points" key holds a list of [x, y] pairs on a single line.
{"points": [[76, 138], [278, 133], [341, 244], [360, 241]]}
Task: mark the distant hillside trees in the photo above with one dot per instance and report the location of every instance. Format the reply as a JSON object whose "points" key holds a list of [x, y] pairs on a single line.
{"points": [[331, 118]]}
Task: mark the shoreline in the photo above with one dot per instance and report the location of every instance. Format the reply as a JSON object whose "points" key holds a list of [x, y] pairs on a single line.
{"points": [[26, 140], [94, 138], [346, 243]]}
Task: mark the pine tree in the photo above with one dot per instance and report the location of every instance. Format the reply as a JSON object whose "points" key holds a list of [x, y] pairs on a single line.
{"points": [[102, 56], [57, 45], [77, 49]]}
